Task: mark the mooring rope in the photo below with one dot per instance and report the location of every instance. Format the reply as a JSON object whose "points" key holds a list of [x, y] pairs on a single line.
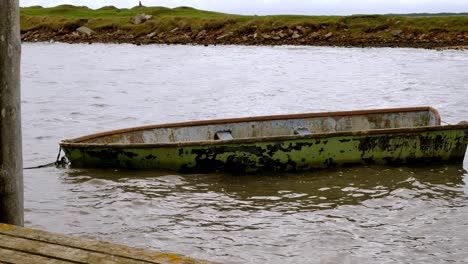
{"points": [[447, 123], [60, 162]]}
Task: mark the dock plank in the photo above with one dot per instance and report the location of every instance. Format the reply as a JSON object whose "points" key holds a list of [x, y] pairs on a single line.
{"points": [[18, 243], [14, 256]]}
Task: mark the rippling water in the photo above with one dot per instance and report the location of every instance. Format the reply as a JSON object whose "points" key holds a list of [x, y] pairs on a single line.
{"points": [[355, 215]]}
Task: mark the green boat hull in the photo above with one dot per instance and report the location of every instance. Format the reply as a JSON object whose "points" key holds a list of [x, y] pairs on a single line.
{"points": [[397, 146]]}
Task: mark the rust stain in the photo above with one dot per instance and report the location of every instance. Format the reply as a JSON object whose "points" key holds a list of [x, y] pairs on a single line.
{"points": [[171, 136], [6, 227], [174, 258], [136, 137]]}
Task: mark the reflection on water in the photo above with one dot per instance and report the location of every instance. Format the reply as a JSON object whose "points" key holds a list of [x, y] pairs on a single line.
{"points": [[305, 191], [358, 214], [351, 215]]}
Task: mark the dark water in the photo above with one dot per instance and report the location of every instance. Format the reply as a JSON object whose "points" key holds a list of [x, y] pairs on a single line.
{"points": [[353, 215]]}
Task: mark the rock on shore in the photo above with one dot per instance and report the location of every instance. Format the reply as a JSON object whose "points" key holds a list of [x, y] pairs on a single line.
{"points": [[296, 35]]}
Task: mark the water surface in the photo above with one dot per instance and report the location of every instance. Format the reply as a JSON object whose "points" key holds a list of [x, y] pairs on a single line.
{"points": [[367, 214]]}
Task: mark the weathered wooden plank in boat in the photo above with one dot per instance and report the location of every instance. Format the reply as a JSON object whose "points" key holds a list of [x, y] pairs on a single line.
{"points": [[223, 135], [24, 245]]}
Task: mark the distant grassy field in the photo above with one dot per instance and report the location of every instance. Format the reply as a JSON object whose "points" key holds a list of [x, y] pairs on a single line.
{"points": [[174, 25]]}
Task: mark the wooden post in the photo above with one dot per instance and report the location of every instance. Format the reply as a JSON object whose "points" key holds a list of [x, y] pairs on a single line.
{"points": [[11, 161]]}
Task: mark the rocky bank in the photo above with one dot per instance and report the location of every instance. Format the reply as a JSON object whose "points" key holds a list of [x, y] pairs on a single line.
{"points": [[320, 35]]}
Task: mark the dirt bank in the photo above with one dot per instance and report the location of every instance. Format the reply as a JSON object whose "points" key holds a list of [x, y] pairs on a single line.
{"points": [[285, 36]]}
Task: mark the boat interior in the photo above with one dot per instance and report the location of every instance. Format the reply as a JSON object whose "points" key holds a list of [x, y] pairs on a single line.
{"points": [[268, 126]]}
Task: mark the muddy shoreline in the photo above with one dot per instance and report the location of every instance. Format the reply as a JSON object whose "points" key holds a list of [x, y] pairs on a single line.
{"points": [[286, 36]]}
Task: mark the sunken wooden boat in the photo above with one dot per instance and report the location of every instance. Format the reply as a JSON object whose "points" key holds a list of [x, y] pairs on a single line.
{"points": [[277, 143]]}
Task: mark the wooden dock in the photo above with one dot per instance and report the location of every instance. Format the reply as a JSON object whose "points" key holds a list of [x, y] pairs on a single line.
{"points": [[24, 245]]}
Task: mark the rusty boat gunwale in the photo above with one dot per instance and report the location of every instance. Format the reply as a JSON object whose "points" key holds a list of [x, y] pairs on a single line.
{"points": [[414, 135]]}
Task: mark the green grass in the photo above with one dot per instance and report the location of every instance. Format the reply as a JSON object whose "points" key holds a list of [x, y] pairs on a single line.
{"points": [[109, 18], [113, 12]]}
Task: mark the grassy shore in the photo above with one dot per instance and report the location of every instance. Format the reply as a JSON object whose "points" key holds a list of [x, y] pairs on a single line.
{"points": [[185, 25]]}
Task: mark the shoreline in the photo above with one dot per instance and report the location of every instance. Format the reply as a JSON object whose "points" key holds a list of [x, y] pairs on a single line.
{"points": [[34, 37], [185, 25]]}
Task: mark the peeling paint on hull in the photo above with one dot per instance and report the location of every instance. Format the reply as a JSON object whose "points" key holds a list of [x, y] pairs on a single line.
{"points": [[282, 153]]}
